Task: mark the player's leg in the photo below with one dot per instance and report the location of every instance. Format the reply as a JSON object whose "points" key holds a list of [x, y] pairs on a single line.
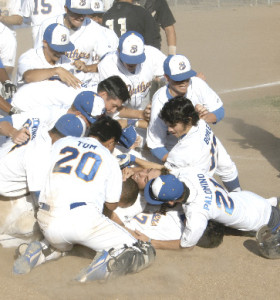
{"points": [[226, 169], [118, 252]]}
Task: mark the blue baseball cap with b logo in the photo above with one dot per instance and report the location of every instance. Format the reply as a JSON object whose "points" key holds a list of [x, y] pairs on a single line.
{"points": [[131, 48], [58, 38], [81, 7]]}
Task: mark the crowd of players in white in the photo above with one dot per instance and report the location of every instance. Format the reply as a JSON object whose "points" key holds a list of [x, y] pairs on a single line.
{"points": [[63, 172]]}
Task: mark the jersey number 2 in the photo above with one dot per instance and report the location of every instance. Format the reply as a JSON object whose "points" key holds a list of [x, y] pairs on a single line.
{"points": [[87, 166]]}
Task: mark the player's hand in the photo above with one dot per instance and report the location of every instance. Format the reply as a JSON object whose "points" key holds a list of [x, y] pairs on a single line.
{"points": [[141, 236], [80, 66], [10, 88], [147, 112], [20, 136], [202, 111], [127, 173], [201, 76], [68, 78], [125, 160]]}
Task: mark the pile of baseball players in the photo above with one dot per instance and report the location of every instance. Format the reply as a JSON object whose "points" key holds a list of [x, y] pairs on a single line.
{"points": [[107, 143]]}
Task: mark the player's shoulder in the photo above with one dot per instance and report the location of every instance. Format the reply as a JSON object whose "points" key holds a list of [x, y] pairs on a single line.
{"points": [[29, 53], [160, 96]]}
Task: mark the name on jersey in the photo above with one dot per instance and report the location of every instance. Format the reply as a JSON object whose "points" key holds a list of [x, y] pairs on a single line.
{"points": [[141, 88], [207, 134], [155, 219], [77, 55], [204, 185], [86, 145]]}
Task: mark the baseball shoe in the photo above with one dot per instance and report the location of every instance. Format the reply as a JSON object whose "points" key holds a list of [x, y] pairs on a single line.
{"points": [[97, 270], [32, 257]]}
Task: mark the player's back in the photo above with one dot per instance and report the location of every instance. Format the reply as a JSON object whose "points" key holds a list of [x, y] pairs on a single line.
{"points": [[123, 17], [82, 170]]}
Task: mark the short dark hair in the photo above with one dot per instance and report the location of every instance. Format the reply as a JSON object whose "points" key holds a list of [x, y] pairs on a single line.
{"points": [[130, 192], [106, 128], [115, 88], [179, 110]]}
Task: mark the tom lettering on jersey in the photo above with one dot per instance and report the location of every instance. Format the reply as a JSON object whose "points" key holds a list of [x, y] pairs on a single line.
{"points": [[86, 145]]}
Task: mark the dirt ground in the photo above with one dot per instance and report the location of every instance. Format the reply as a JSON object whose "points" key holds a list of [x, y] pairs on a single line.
{"points": [[238, 51]]}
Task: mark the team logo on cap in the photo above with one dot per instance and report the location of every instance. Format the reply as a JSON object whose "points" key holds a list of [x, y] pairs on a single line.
{"points": [[83, 2], [182, 66], [97, 5], [133, 49], [63, 38]]}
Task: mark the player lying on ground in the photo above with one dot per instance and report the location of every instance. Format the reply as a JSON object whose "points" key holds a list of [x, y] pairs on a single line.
{"points": [[86, 164], [164, 222], [203, 199]]}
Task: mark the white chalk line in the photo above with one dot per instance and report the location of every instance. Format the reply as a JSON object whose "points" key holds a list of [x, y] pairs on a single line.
{"points": [[250, 87]]}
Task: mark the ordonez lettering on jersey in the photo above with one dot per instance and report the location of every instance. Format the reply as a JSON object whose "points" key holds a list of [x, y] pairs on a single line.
{"points": [[208, 197], [207, 134], [155, 219], [32, 125]]}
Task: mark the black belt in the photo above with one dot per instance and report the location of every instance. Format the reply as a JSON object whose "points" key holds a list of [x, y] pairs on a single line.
{"points": [[73, 205]]}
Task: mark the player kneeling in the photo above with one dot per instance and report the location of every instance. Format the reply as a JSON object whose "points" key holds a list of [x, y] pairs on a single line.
{"points": [[91, 168]]}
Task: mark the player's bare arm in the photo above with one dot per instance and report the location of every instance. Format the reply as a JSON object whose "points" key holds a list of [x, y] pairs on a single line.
{"points": [[67, 77], [171, 39], [18, 136], [11, 20], [109, 208]]}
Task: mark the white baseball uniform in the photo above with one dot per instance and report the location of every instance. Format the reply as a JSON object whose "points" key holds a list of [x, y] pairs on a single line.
{"points": [[44, 94], [34, 59], [198, 92], [209, 201], [156, 225], [8, 46], [39, 11], [202, 149], [24, 167], [139, 83], [113, 39], [83, 176], [87, 39]]}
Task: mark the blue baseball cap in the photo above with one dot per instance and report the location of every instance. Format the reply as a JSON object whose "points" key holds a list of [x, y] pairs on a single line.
{"points": [[128, 137], [163, 189], [58, 38], [178, 68], [131, 48], [90, 105], [81, 7], [71, 124]]}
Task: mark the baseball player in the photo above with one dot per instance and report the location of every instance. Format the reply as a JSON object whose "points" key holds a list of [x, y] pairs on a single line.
{"points": [[39, 11], [19, 163], [181, 82], [86, 35], [57, 94], [97, 7], [124, 16], [45, 63], [10, 14], [89, 179], [197, 145], [137, 64], [164, 18], [203, 199]]}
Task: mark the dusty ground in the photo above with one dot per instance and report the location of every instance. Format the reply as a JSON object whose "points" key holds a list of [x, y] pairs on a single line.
{"points": [[236, 49]]}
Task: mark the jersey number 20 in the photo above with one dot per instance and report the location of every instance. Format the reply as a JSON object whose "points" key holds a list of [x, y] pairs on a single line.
{"points": [[87, 165]]}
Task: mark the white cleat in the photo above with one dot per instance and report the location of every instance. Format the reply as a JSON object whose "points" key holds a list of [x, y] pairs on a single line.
{"points": [[32, 256]]}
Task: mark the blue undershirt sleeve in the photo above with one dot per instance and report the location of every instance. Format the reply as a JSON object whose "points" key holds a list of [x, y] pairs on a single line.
{"points": [[159, 152], [219, 113]]}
